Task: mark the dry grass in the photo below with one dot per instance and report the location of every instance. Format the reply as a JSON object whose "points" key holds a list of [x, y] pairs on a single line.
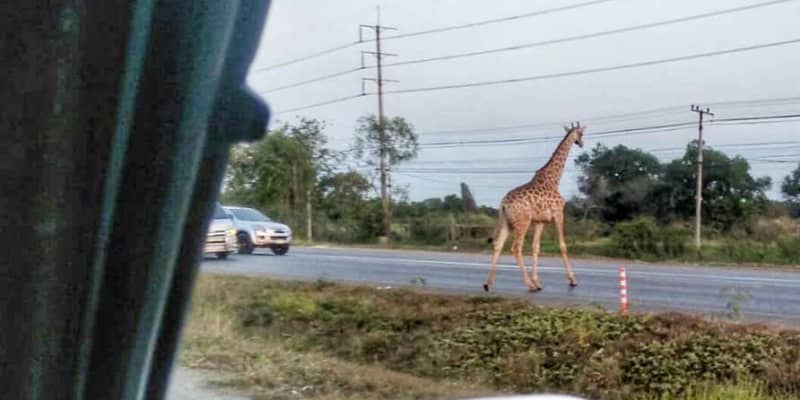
{"points": [[269, 368], [324, 341]]}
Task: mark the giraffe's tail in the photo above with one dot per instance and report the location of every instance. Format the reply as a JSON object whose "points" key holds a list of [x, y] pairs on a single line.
{"points": [[502, 222]]}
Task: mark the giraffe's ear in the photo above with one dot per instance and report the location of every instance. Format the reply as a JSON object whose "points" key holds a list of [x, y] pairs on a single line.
{"points": [[567, 129]]}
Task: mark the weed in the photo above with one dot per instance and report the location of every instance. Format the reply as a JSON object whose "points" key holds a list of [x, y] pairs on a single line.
{"points": [[418, 281], [735, 298]]}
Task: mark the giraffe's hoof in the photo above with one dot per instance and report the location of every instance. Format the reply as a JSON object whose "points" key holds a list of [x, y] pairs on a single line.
{"points": [[486, 287], [534, 289], [573, 284]]}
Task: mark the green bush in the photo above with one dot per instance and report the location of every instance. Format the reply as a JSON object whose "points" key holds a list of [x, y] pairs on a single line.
{"points": [[635, 239], [429, 230], [670, 367], [643, 238], [789, 248], [745, 250], [672, 241]]}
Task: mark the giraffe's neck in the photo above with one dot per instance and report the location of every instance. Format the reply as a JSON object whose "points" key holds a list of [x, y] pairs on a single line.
{"points": [[551, 172]]}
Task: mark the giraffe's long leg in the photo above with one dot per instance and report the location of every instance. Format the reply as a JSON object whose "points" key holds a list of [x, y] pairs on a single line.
{"points": [[520, 229], [499, 241], [537, 242], [559, 221]]}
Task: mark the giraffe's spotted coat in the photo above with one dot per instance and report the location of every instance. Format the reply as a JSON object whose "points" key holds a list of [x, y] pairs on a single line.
{"points": [[537, 202]]}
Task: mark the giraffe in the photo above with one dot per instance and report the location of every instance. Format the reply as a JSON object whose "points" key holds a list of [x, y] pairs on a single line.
{"points": [[536, 203]]}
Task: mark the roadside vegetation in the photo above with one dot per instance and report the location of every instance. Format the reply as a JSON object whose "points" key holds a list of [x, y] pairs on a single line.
{"points": [[632, 205], [318, 340]]}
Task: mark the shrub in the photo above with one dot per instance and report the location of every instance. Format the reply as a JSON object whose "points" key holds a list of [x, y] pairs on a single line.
{"points": [[643, 238], [789, 248], [672, 241], [635, 239], [771, 229], [429, 230], [745, 250]]}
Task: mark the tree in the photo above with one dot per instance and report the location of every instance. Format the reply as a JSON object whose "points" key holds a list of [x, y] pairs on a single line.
{"points": [[616, 181], [393, 138], [730, 193], [453, 203], [791, 190], [309, 132], [344, 194], [401, 141], [279, 174], [468, 198], [345, 205]]}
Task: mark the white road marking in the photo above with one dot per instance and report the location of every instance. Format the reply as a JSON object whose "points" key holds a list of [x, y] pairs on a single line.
{"points": [[754, 280]]}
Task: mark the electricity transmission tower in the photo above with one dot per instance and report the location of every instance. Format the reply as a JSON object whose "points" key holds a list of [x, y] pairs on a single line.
{"points": [[699, 195], [382, 138]]}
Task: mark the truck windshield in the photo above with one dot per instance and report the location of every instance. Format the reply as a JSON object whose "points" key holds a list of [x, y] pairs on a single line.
{"points": [[249, 214]]}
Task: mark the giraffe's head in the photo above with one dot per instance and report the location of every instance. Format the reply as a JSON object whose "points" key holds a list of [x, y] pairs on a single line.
{"points": [[575, 132]]}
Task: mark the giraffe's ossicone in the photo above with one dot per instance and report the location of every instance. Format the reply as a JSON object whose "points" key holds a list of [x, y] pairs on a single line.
{"points": [[537, 202]]}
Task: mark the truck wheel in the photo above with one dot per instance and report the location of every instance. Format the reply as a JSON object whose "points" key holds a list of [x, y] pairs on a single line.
{"points": [[245, 244], [280, 251], [222, 255]]}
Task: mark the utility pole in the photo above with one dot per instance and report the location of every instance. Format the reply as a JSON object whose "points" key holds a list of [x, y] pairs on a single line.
{"points": [[699, 195], [309, 223], [384, 162]]}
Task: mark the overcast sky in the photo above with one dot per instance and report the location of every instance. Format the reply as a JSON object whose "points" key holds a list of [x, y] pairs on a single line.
{"points": [[296, 28]]}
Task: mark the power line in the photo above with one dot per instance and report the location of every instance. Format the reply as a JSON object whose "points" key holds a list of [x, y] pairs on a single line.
{"points": [[617, 132], [609, 133], [334, 49], [322, 103], [756, 146], [521, 46], [759, 122], [312, 80], [589, 35], [597, 70], [557, 75], [496, 20], [474, 171], [756, 117], [771, 161], [622, 116], [539, 139], [308, 57], [771, 101], [660, 110], [785, 155]]}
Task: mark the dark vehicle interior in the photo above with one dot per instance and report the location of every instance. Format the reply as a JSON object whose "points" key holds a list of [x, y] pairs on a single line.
{"points": [[116, 121]]}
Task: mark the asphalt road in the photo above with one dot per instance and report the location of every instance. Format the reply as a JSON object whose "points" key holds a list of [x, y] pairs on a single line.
{"points": [[769, 295]]}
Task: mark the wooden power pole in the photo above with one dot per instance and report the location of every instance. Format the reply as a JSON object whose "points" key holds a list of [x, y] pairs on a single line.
{"points": [[384, 161], [699, 194], [309, 220]]}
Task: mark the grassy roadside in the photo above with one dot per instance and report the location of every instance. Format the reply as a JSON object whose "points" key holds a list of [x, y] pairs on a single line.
{"points": [[274, 367], [325, 341], [715, 252]]}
